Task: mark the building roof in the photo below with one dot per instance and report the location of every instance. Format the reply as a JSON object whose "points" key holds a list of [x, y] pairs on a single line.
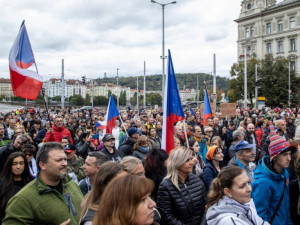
{"points": [[4, 80], [283, 3]]}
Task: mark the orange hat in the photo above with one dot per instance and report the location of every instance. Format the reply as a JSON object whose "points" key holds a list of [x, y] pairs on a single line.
{"points": [[211, 151]]}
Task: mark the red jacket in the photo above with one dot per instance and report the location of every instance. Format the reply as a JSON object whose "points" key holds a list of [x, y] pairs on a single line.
{"points": [[58, 134]]}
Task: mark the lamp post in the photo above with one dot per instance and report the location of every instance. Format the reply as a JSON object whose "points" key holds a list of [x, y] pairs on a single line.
{"points": [[163, 41], [118, 87]]}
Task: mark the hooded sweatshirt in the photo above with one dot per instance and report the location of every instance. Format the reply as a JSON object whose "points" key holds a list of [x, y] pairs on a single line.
{"points": [[228, 211], [267, 189]]}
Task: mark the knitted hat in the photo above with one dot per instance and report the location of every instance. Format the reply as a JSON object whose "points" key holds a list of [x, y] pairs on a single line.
{"points": [[278, 144], [131, 131], [211, 151]]}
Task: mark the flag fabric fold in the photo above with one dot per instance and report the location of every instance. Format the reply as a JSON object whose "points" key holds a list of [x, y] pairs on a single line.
{"points": [[25, 83], [173, 111], [111, 115], [207, 110], [100, 125]]}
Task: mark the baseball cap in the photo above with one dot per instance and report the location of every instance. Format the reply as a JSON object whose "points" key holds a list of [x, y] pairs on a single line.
{"points": [[107, 137], [69, 148], [242, 145], [131, 131]]}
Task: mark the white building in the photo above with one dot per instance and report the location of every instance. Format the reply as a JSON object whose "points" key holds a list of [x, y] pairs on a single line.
{"points": [[5, 87], [72, 87], [265, 27], [104, 88]]}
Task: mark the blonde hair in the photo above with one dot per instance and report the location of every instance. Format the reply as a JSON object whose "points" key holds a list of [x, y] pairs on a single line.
{"points": [[177, 157], [219, 141], [130, 163], [141, 141]]}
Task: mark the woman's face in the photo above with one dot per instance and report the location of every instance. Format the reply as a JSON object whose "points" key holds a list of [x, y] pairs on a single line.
{"points": [[187, 167], [176, 143], [144, 213], [153, 132], [139, 170], [18, 166], [215, 142], [79, 132], [219, 155], [224, 130], [29, 156], [144, 130], [196, 147], [241, 189]]}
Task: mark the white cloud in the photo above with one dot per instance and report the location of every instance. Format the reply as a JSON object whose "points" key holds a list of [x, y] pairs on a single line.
{"points": [[98, 36]]}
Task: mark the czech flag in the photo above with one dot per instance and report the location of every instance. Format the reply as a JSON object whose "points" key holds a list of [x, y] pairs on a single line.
{"points": [[192, 111], [111, 115], [207, 109], [173, 111], [100, 125], [25, 83]]}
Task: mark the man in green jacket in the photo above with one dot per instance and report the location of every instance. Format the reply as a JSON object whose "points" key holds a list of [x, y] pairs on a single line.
{"points": [[52, 198]]}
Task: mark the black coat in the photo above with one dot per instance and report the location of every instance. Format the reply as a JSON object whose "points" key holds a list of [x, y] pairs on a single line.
{"points": [[184, 207], [127, 147]]}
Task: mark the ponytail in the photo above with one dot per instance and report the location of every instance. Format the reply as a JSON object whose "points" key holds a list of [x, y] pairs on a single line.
{"points": [[215, 193]]}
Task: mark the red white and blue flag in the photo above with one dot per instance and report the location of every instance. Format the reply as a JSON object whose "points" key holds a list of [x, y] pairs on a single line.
{"points": [[173, 111], [207, 110], [25, 83], [111, 115], [100, 125]]}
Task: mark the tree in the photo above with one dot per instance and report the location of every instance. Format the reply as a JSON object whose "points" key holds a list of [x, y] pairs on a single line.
{"points": [[155, 99], [77, 100], [100, 100], [272, 81], [122, 98]]}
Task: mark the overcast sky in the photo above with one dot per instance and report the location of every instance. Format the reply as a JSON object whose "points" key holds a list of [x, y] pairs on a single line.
{"points": [[98, 36]]}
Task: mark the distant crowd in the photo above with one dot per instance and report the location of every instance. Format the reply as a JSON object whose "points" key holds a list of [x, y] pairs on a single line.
{"points": [[62, 168]]}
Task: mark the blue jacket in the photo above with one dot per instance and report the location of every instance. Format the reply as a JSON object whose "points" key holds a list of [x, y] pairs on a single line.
{"points": [[209, 173], [267, 189]]}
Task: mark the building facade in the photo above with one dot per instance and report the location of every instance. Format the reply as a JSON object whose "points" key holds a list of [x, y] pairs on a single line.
{"points": [[267, 27], [53, 88], [5, 88]]}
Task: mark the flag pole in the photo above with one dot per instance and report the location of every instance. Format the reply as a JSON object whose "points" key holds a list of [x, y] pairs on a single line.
{"points": [[185, 134], [123, 125]]}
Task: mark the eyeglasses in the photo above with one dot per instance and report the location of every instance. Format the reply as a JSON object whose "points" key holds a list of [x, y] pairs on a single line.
{"points": [[209, 131]]}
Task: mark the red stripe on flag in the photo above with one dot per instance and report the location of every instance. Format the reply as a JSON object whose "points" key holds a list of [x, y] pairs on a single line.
{"points": [[170, 131], [110, 125], [24, 86]]}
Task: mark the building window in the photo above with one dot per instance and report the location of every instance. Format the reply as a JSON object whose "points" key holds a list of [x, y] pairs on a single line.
{"points": [[280, 25], [249, 6], [247, 33], [293, 65], [268, 28], [269, 48], [292, 22], [293, 44], [280, 46], [251, 32], [249, 50]]}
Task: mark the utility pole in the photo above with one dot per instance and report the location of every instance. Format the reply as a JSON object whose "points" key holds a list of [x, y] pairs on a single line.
{"points": [[118, 88], [62, 85], [144, 84], [137, 93], [256, 87], [245, 78], [92, 97], [215, 85], [290, 91], [197, 91]]}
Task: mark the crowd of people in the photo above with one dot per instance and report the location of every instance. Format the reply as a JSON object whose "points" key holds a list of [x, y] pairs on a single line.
{"points": [[62, 168]]}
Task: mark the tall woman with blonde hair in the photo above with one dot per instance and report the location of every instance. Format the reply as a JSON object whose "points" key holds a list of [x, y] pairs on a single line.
{"points": [[181, 196]]}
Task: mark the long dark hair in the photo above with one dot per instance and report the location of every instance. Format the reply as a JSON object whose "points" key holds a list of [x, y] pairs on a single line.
{"points": [[154, 162], [7, 189]]}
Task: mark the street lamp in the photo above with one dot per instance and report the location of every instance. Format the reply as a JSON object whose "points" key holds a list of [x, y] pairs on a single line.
{"points": [[163, 41], [118, 87]]}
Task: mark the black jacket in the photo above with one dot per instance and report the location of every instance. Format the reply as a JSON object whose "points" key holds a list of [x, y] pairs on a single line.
{"points": [[184, 207], [116, 156], [5, 152], [127, 147]]}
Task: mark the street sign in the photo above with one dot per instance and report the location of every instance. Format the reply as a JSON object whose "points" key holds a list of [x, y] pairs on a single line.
{"points": [[262, 98]]}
